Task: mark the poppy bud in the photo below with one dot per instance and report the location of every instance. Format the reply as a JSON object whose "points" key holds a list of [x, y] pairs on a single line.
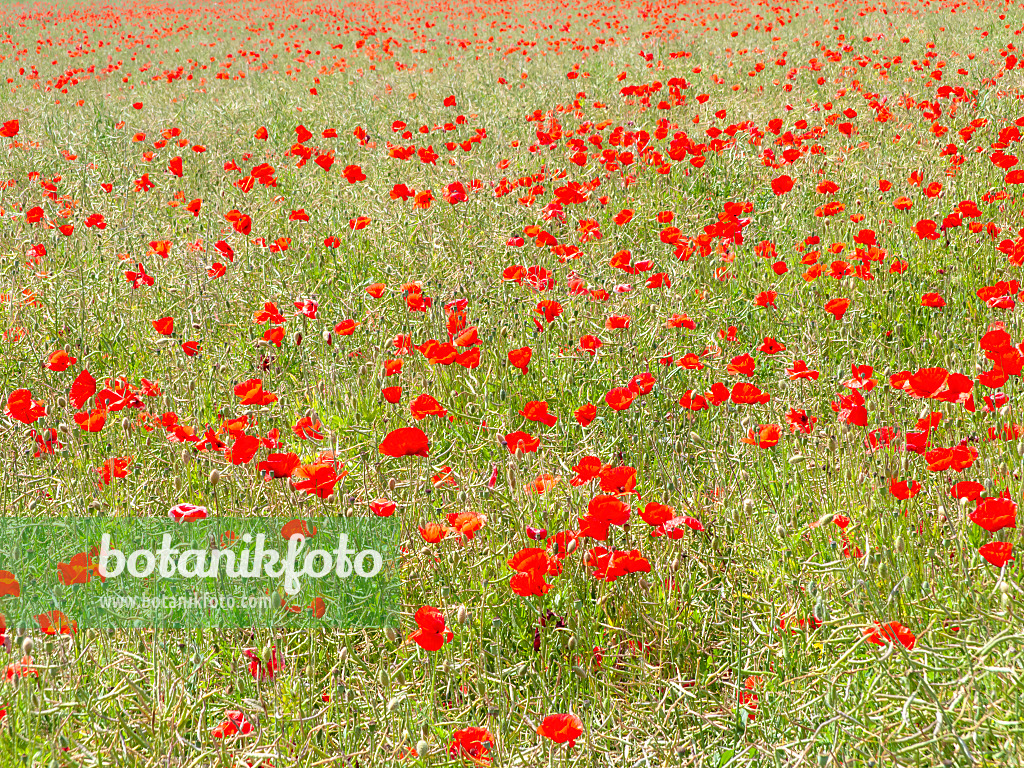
{"points": [[399, 678], [343, 656], [385, 679], [748, 506], [297, 338], [422, 748], [214, 476], [62, 402], [392, 484], [393, 704], [391, 635], [462, 615], [26, 643], [327, 336]]}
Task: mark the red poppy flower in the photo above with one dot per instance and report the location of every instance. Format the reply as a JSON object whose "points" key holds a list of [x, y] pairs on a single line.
{"points": [[995, 513], [279, 465], [538, 411], [903, 490], [782, 184], [893, 632], [958, 459], [112, 468], [520, 358], [521, 442], [764, 436], [998, 553], [561, 729], [22, 407], [235, 723], [473, 742], [620, 398], [657, 514], [316, 479], [432, 633], [243, 449], [91, 421], [585, 414], [405, 441], [383, 507], [56, 623], [801, 371], [424, 406], [251, 393], [837, 307], [186, 513], [59, 360], [744, 393]]}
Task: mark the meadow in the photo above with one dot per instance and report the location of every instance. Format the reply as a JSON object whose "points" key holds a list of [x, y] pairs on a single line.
{"points": [[679, 338]]}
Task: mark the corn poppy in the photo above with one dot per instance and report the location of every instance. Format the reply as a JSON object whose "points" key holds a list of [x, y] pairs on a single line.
{"points": [[405, 441], [561, 728]]}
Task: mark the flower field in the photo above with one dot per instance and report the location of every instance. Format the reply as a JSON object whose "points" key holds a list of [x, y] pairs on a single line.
{"points": [[678, 338]]}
